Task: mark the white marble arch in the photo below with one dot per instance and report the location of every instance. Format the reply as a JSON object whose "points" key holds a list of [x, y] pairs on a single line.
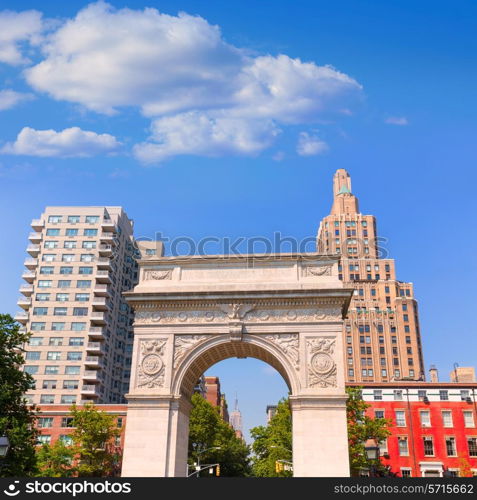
{"points": [[194, 312]]}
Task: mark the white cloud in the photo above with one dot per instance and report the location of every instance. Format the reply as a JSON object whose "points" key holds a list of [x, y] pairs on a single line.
{"points": [[15, 29], [310, 145], [10, 98], [397, 120], [68, 143], [179, 71], [200, 134]]}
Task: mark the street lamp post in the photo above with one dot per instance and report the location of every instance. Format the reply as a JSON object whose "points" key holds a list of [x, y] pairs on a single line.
{"points": [[372, 454], [199, 451]]}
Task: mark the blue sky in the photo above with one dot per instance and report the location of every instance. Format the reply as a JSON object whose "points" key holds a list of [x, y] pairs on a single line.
{"points": [[230, 120]]}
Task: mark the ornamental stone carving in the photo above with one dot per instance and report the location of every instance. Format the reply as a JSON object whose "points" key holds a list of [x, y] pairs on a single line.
{"points": [[238, 312], [158, 275], [318, 270], [151, 363], [289, 344], [185, 343], [321, 362]]}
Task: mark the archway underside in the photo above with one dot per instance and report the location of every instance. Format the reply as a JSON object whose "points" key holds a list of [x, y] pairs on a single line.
{"points": [[215, 354]]}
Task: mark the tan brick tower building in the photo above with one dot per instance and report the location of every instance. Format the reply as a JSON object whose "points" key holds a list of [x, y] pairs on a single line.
{"points": [[381, 332]]}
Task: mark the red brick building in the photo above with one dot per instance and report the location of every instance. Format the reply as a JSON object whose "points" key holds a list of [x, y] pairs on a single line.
{"points": [[434, 429], [54, 421]]}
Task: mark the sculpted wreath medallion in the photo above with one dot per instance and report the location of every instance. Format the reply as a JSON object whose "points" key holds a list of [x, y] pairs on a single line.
{"points": [[152, 364]]}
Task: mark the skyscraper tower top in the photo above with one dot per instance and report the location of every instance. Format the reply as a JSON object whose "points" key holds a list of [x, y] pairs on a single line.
{"points": [[344, 201]]}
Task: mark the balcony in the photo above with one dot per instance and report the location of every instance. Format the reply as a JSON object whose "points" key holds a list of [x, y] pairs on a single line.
{"points": [[98, 317], [37, 224], [104, 263], [31, 263], [24, 302], [21, 317], [108, 225], [107, 238], [91, 376], [94, 348], [33, 250], [26, 290], [99, 303], [101, 290], [93, 361], [102, 276], [89, 390], [105, 250], [96, 333], [29, 276], [35, 237]]}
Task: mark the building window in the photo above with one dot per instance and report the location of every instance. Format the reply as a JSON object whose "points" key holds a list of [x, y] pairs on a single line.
{"points": [[350, 372], [68, 399], [450, 447], [468, 418], [45, 422], [51, 370], [425, 417], [379, 413], [55, 219], [47, 270], [37, 326], [64, 283], [47, 399], [50, 244], [36, 341], [86, 257], [32, 356], [400, 418], [90, 232], [80, 311], [403, 447], [73, 356], [67, 257], [60, 311], [48, 257], [83, 283], [464, 394], [73, 219], [55, 341], [78, 327], [472, 444], [44, 439], [89, 245], [49, 384], [31, 369], [42, 297], [40, 311], [66, 270], [53, 355], [72, 370], [82, 297], [76, 341], [421, 394], [428, 446], [444, 395], [378, 394], [52, 232], [447, 418], [91, 219], [406, 472], [85, 270], [67, 422], [70, 384]]}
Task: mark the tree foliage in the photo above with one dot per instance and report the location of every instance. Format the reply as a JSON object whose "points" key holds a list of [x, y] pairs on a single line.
{"points": [[56, 460], [272, 443], [208, 430], [94, 442], [17, 418], [361, 428]]}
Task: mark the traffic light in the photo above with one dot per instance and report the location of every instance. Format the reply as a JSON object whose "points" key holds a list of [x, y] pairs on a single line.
{"points": [[217, 470]]}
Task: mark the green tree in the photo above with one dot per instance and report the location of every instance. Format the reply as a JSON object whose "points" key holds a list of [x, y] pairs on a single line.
{"points": [[361, 428], [56, 460], [17, 418], [208, 431], [94, 439], [272, 443]]}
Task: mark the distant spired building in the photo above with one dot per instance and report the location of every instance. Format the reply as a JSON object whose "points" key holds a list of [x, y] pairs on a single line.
{"points": [[235, 419], [382, 341]]}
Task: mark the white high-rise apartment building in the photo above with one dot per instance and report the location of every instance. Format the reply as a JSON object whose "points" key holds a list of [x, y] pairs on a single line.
{"points": [[81, 260]]}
